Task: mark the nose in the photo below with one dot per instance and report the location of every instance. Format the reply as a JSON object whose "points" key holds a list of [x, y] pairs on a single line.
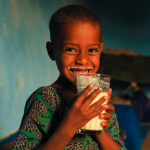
{"points": [[82, 59]]}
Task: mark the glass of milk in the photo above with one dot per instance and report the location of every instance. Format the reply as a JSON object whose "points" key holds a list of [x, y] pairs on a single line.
{"points": [[98, 80]]}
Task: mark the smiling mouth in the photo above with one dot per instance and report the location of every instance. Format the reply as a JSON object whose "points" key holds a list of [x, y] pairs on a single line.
{"points": [[76, 70]]}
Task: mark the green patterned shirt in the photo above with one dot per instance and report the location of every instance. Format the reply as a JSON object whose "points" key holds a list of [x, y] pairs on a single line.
{"points": [[44, 111]]}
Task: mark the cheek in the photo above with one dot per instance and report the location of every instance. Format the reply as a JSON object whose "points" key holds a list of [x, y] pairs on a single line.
{"points": [[64, 61], [67, 59], [96, 61], [60, 62]]}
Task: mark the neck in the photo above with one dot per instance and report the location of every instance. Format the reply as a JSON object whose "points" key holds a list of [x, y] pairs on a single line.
{"points": [[64, 82], [66, 86]]}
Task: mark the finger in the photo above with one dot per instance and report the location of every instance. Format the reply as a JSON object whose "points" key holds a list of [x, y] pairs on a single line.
{"points": [[109, 94], [96, 112], [96, 105], [105, 123], [109, 107], [91, 97], [105, 116], [81, 97]]}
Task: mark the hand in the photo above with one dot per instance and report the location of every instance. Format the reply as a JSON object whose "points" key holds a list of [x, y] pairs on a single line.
{"points": [[109, 108], [80, 112]]}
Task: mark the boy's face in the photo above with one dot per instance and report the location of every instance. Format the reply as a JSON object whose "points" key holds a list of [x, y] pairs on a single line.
{"points": [[77, 49]]}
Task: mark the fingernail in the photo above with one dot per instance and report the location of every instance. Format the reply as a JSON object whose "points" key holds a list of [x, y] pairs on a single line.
{"points": [[91, 85], [105, 97], [100, 89], [102, 116]]}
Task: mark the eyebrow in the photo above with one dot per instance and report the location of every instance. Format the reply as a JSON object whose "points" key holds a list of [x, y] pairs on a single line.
{"points": [[96, 44], [77, 44]]}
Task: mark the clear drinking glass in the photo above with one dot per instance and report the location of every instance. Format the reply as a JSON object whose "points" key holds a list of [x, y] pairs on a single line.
{"points": [[98, 80]]}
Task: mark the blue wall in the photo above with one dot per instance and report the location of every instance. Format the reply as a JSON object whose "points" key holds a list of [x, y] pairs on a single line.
{"points": [[24, 63]]}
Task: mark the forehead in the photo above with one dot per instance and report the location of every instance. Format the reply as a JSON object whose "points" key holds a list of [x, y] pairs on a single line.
{"points": [[80, 32]]}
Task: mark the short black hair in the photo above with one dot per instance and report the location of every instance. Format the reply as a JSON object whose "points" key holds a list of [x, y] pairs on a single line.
{"points": [[70, 14]]}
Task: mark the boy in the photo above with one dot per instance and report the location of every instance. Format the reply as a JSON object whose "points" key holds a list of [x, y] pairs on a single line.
{"points": [[53, 114]]}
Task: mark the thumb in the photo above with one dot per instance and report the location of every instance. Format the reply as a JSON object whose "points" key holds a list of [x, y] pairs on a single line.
{"points": [[69, 106]]}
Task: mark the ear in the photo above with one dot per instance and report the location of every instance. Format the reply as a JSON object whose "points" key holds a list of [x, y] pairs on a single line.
{"points": [[101, 46], [50, 50]]}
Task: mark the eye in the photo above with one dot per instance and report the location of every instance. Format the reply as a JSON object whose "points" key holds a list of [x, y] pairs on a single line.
{"points": [[92, 50], [71, 51]]}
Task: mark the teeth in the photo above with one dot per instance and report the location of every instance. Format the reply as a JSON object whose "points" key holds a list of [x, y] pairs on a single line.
{"points": [[75, 72], [80, 71], [73, 67]]}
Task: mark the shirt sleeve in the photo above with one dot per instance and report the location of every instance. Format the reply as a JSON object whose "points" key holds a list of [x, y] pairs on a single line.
{"points": [[113, 130], [39, 120]]}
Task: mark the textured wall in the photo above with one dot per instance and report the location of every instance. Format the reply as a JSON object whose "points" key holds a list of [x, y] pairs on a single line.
{"points": [[24, 63]]}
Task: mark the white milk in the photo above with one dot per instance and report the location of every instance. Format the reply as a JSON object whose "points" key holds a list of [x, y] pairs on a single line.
{"points": [[95, 123]]}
